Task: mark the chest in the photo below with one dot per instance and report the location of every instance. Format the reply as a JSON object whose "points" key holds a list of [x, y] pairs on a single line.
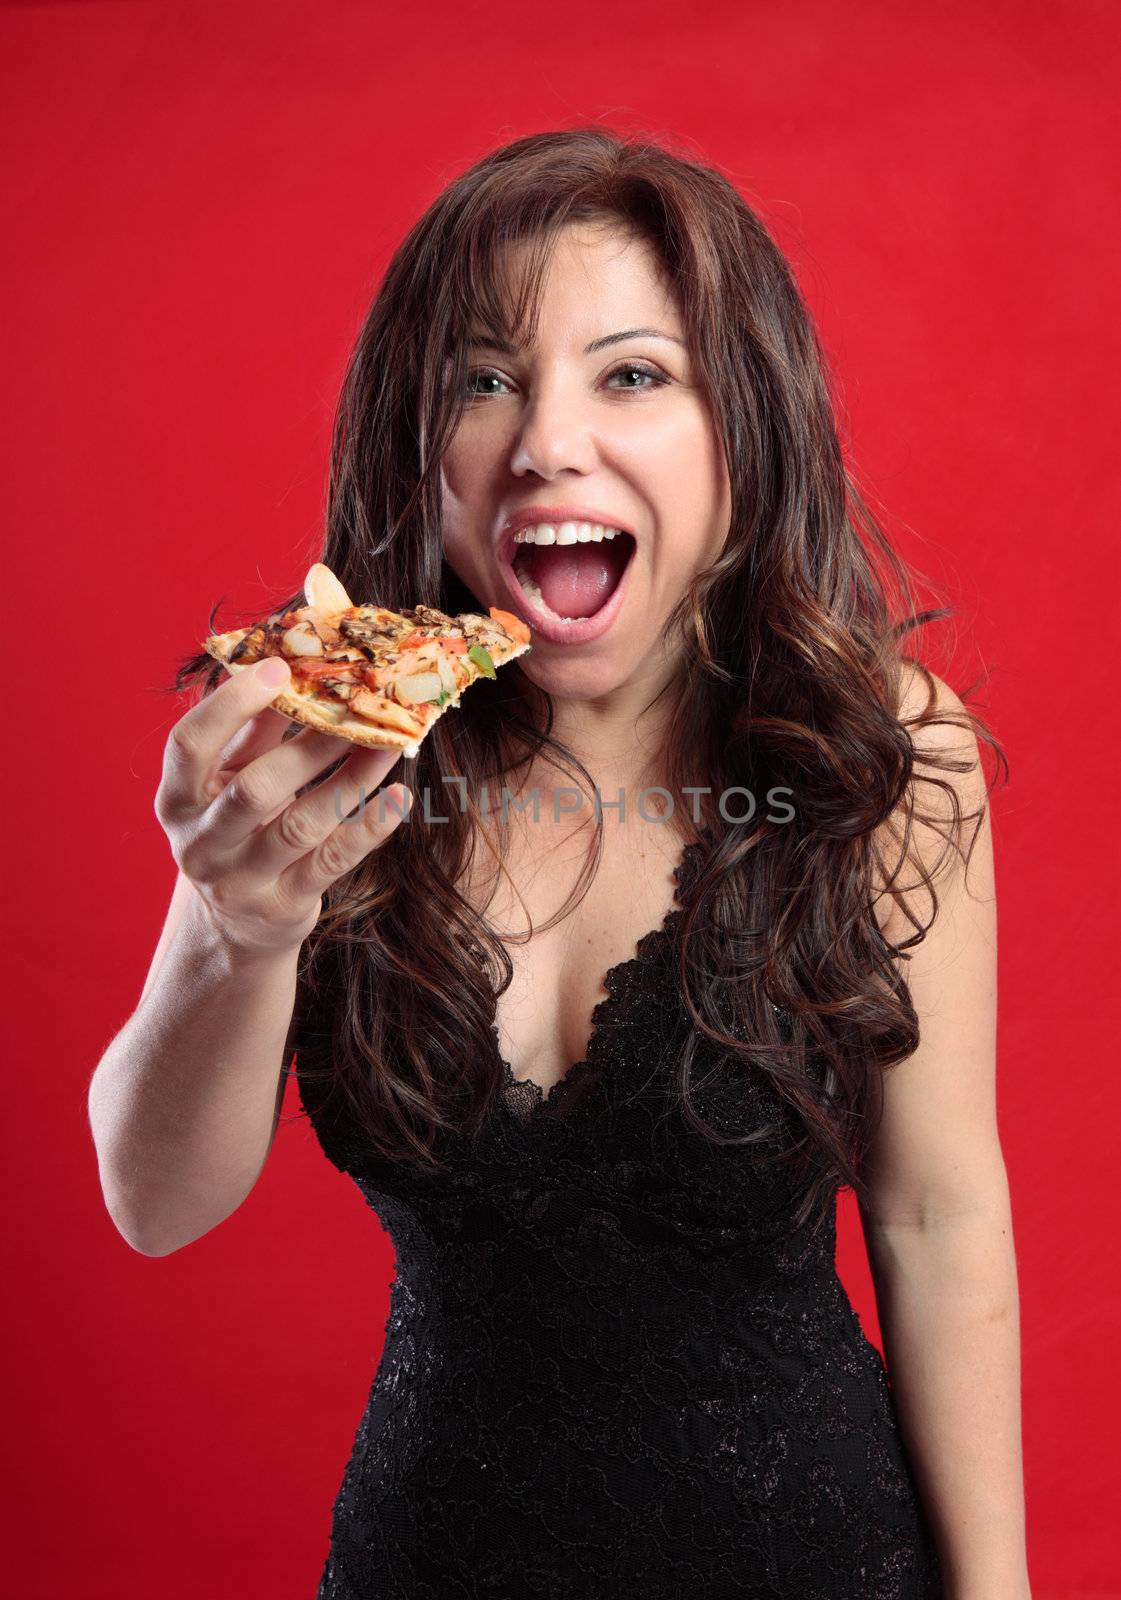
{"points": [[545, 1017]]}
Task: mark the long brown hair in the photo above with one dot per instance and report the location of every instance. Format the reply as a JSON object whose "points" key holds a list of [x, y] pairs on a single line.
{"points": [[791, 679]]}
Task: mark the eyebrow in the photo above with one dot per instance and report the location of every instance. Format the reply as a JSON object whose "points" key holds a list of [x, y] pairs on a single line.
{"points": [[596, 344]]}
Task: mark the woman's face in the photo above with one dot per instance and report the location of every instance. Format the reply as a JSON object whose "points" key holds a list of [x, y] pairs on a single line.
{"points": [[597, 423]]}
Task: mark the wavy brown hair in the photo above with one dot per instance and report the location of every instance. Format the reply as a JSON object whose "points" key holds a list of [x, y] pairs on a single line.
{"points": [[792, 676]]}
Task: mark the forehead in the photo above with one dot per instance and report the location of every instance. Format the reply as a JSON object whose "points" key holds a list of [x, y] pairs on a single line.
{"points": [[590, 270]]}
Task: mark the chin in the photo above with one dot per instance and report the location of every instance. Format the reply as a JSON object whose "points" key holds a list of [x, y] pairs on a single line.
{"points": [[572, 679]]}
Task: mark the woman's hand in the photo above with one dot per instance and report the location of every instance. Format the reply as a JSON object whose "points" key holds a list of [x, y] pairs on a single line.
{"points": [[259, 858]]}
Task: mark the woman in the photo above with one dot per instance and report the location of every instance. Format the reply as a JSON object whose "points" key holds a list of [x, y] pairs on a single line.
{"points": [[690, 925]]}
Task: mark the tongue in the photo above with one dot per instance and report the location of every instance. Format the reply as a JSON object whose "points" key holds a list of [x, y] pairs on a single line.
{"points": [[576, 580]]}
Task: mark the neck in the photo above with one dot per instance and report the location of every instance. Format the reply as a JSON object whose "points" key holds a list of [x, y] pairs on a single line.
{"points": [[620, 739]]}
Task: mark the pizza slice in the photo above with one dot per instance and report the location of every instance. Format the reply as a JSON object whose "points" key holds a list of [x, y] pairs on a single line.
{"points": [[379, 678]]}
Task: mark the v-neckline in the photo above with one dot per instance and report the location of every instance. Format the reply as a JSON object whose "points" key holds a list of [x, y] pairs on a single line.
{"points": [[542, 1100]]}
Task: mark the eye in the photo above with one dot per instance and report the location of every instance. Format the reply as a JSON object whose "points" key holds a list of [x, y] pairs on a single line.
{"points": [[655, 378], [644, 371], [481, 372]]}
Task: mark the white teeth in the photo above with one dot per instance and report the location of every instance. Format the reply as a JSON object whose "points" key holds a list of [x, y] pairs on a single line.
{"points": [[566, 533]]}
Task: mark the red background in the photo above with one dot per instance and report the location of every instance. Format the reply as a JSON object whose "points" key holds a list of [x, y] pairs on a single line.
{"points": [[202, 198]]}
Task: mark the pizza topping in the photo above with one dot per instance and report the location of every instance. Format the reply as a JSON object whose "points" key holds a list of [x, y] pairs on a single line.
{"points": [[325, 592], [481, 658], [251, 648], [393, 670], [429, 617], [302, 640], [378, 709], [314, 670], [417, 687], [426, 667], [324, 629], [372, 637], [514, 626], [411, 640]]}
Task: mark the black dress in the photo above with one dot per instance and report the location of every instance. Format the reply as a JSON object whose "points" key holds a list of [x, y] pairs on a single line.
{"points": [[613, 1367]]}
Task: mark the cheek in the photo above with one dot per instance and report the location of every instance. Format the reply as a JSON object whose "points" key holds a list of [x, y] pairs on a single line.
{"points": [[454, 513], [675, 449], [452, 470], [460, 481], [458, 546], [467, 472]]}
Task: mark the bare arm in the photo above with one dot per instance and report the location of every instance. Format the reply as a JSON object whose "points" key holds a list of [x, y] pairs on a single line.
{"points": [[184, 1103], [947, 1297], [939, 1227]]}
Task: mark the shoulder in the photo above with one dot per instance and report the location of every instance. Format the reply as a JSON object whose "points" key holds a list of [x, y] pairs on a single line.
{"points": [[942, 819], [936, 718]]}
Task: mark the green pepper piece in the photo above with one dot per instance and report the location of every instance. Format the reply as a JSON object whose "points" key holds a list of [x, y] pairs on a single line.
{"points": [[481, 657]]}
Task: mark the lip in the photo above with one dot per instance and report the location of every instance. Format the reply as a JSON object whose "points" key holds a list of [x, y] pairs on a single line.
{"points": [[588, 628]]}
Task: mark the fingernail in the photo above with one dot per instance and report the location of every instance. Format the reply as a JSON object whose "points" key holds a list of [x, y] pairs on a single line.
{"points": [[273, 671]]}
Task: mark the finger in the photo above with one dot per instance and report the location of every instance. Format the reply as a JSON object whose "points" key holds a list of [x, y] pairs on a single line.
{"points": [[269, 730], [348, 843], [262, 732], [197, 740], [303, 825], [266, 790]]}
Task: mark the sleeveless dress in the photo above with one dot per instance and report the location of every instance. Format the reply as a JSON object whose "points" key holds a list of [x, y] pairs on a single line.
{"points": [[613, 1367]]}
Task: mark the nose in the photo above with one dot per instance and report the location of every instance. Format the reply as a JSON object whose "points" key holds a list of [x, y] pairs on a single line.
{"points": [[554, 436]]}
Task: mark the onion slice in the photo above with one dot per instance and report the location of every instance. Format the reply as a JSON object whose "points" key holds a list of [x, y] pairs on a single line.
{"points": [[324, 591]]}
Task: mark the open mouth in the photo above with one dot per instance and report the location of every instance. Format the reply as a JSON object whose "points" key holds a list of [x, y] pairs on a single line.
{"points": [[572, 582]]}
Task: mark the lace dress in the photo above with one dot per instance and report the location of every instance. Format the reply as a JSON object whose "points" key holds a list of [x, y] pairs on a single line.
{"points": [[612, 1365]]}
